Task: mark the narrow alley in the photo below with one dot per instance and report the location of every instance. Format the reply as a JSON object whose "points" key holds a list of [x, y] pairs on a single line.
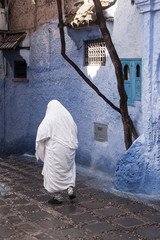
{"points": [[25, 212]]}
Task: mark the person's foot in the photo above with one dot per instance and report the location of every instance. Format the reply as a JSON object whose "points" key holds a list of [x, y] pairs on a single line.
{"points": [[71, 193], [55, 201], [72, 196]]}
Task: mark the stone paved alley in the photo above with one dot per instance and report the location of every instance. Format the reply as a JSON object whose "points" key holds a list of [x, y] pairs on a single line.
{"points": [[26, 215]]}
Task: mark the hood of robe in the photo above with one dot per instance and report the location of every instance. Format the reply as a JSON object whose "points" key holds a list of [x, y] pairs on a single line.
{"points": [[58, 125]]}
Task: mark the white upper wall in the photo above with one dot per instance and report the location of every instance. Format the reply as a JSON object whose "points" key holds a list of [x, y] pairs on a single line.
{"points": [[127, 30]]}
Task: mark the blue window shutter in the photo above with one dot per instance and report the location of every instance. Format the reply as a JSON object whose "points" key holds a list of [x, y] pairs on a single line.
{"points": [[138, 79], [133, 84], [128, 83]]}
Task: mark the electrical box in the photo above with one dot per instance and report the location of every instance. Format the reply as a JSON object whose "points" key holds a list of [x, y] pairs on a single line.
{"points": [[100, 132], [3, 20]]}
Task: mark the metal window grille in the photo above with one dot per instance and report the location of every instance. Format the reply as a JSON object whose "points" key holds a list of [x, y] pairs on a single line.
{"points": [[95, 53]]}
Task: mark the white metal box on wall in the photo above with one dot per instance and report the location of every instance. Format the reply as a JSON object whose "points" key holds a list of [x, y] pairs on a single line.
{"points": [[3, 20]]}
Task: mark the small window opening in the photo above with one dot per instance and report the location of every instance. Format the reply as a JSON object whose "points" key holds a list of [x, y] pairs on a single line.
{"points": [[126, 72], [138, 71], [20, 69], [2, 5], [95, 53]]}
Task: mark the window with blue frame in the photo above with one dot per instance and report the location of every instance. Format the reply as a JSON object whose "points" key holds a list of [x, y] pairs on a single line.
{"points": [[132, 70]]}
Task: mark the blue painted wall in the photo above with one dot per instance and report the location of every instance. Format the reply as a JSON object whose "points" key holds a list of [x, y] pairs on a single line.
{"points": [[51, 77]]}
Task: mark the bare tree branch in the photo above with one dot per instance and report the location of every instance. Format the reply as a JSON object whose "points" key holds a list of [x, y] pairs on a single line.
{"points": [[128, 125], [63, 53]]}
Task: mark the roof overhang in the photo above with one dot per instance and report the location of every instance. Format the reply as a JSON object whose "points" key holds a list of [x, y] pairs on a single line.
{"points": [[12, 41], [84, 16]]}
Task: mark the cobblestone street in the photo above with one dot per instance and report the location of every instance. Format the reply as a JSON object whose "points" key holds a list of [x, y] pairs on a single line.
{"points": [[25, 212]]}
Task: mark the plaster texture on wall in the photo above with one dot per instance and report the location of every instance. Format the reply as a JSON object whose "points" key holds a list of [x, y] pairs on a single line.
{"points": [[127, 33], [30, 15], [51, 77], [138, 171], [130, 172]]}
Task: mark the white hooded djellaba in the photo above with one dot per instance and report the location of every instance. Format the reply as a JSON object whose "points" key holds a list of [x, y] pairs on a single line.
{"points": [[56, 145]]}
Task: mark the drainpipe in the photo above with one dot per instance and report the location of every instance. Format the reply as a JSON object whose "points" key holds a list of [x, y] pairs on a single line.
{"points": [[50, 54], [145, 8], [35, 14], [4, 100], [6, 7]]}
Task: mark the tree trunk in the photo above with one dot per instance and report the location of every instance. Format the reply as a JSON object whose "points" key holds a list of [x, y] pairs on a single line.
{"points": [[63, 53], [128, 126]]}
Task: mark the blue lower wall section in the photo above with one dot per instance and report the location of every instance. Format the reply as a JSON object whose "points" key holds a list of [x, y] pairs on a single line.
{"points": [[131, 168], [136, 172]]}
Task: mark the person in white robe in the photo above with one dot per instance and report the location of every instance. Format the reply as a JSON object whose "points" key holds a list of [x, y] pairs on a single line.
{"points": [[56, 144]]}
